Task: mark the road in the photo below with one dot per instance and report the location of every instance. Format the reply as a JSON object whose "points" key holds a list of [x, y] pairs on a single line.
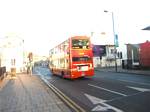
{"points": [[106, 91]]}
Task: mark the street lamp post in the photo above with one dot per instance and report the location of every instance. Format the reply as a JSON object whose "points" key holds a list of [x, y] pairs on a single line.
{"points": [[115, 50]]}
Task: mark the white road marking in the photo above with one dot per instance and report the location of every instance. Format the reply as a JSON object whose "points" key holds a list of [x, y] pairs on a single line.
{"points": [[139, 89], [107, 90], [100, 108], [102, 105], [135, 82], [94, 99]]}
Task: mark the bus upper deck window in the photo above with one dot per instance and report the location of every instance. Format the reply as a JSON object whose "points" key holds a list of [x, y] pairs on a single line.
{"points": [[80, 43]]}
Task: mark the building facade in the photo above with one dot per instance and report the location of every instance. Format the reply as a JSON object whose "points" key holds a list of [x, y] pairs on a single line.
{"points": [[104, 56], [12, 53], [138, 56]]}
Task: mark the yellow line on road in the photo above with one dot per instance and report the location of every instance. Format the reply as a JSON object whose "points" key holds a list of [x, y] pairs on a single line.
{"points": [[66, 99]]}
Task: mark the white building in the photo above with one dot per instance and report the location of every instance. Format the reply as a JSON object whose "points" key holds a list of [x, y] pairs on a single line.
{"points": [[12, 53], [108, 58]]}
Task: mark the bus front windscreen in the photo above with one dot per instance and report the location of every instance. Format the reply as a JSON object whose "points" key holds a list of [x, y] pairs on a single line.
{"points": [[80, 43]]}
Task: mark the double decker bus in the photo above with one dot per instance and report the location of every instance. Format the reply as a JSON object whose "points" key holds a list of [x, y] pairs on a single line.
{"points": [[72, 58]]}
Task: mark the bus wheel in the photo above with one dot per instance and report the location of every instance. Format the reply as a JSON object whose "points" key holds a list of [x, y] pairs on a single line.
{"points": [[62, 74], [52, 72]]}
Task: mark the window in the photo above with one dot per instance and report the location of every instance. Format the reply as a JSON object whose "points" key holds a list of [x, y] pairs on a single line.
{"points": [[112, 51], [80, 43]]}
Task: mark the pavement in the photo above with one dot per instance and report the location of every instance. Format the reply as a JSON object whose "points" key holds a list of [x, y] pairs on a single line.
{"points": [[25, 93], [121, 70]]}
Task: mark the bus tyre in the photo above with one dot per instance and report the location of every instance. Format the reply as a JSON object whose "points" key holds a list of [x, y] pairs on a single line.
{"points": [[62, 74], [52, 72]]}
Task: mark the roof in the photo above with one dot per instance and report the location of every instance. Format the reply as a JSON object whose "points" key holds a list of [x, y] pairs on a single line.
{"points": [[146, 28]]}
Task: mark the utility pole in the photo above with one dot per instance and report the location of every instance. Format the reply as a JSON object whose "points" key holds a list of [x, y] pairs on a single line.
{"points": [[115, 50]]}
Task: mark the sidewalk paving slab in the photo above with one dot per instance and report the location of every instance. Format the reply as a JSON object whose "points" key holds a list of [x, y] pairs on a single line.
{"points": [[25, 93], [120, 70]]}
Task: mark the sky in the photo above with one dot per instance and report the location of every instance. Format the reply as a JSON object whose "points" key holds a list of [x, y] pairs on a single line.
{"points": [[45, 23]]}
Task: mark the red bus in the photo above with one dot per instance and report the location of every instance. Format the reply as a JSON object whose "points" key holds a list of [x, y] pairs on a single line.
{"points": [[73, 58]]}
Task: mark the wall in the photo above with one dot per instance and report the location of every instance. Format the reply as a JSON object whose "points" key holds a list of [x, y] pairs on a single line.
{"points": [[12, 49], [104, 56]]}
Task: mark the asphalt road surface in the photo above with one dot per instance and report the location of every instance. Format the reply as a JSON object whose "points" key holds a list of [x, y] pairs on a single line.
{"points": [[106, 91]]}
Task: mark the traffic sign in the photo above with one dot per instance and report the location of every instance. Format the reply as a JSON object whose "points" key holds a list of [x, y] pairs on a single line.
{"points": [[116, 41]]}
